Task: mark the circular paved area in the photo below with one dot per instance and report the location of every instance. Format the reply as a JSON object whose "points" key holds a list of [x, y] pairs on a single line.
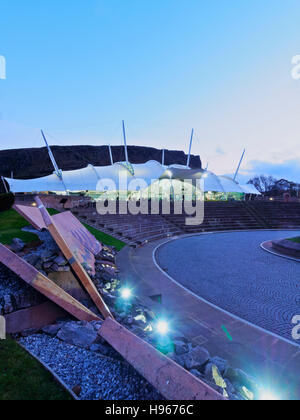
{"points": [[231, 271]]}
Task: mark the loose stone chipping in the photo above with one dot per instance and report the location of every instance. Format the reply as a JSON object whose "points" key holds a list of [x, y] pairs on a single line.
{"points": [[97, 377]]}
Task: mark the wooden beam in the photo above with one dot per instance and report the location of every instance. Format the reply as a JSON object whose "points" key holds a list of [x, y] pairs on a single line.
{"points": [[167, 377], [45, 286], [35, 317]]}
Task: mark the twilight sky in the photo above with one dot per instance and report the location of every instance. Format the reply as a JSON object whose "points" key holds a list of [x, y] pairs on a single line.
{"points": [[77, 68]]}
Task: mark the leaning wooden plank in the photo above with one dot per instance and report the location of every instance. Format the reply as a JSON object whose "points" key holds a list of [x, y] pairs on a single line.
{"points": [[170, 379], [45, 286], [81, 242], [73, 261]]}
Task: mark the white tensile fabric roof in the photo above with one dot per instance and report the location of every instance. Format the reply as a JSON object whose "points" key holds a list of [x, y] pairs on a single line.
{"points": [[210, 181], [121, 174], [87, 179]]}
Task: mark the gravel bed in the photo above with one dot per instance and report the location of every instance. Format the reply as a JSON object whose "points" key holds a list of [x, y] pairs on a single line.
{"points": [[99, 378], [10, 283]]}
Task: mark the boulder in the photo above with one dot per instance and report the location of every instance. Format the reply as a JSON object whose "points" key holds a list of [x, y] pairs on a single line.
{"points": [[140, 320], [180, 347], [78, 335], [229, 387], [96, 325], [196, 373], [221, 364], [51, 330], [32, 259], [194, 359], [63, 268], [212, 374], [241, 379], [17, 245], [54, 267], [110, 300], [47, 265], [47, 254], [100, 348], [149, 315], [60, 261]]}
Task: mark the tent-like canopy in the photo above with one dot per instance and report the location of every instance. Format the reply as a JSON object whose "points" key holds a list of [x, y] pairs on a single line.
{"points": [[126, 177], [91, 178], [210, 181]]}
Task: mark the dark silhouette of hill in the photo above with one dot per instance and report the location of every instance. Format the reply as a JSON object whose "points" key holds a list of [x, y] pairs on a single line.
{"points": [[35, 163]]}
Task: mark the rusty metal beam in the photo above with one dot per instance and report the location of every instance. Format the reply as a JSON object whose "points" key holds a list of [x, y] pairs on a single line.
{"points": [[170, 379], [73, 261], [45, 286]]}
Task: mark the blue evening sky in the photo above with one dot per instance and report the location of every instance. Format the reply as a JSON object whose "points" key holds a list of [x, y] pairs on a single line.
{"points": [[77, 68]]}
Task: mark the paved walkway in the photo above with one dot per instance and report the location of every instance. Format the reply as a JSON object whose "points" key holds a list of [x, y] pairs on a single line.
{"points": [[273, 361]]}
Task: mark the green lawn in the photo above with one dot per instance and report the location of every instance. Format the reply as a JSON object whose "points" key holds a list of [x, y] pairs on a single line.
{"points": [[100, 236], [295, 240], [23, 378], [11, 224], [105, 239]]}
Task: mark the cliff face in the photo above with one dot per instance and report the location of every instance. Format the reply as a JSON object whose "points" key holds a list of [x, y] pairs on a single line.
{"points": [[35, 163]]}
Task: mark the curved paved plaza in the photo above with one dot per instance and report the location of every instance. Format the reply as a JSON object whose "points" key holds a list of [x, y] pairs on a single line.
{"points": [[231, 271]]}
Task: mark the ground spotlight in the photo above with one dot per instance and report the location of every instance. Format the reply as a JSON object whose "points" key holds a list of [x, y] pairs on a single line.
{"points": [[126, 293], [267, 395], [162, 327]]}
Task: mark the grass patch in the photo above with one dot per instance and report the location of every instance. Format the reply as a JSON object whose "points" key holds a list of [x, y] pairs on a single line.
{"points": [[297, 240], [22, 378], [100, 236], [11, 225], [105, 239], [53, 212]]}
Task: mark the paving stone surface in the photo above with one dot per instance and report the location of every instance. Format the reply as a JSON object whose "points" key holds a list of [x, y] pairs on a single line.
{"points": [[231, 271]]}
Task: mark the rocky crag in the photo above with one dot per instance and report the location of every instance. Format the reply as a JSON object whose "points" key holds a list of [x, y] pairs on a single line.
{"points": [[35, 163]]}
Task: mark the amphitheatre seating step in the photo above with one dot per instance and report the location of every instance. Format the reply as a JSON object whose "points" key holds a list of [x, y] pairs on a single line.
{"points": [[218, 216]]}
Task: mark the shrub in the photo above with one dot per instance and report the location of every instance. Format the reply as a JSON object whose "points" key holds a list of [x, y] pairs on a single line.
{"points": [[6, 201]]}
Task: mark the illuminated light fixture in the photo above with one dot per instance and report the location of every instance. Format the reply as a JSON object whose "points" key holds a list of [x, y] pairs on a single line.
{"points": [[33, 204], [126, 293], [267, 395], [162, 327]]}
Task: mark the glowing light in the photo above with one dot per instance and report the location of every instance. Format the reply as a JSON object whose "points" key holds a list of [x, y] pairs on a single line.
{"points": [[162, 327], [126, 293], [267, 395]]}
